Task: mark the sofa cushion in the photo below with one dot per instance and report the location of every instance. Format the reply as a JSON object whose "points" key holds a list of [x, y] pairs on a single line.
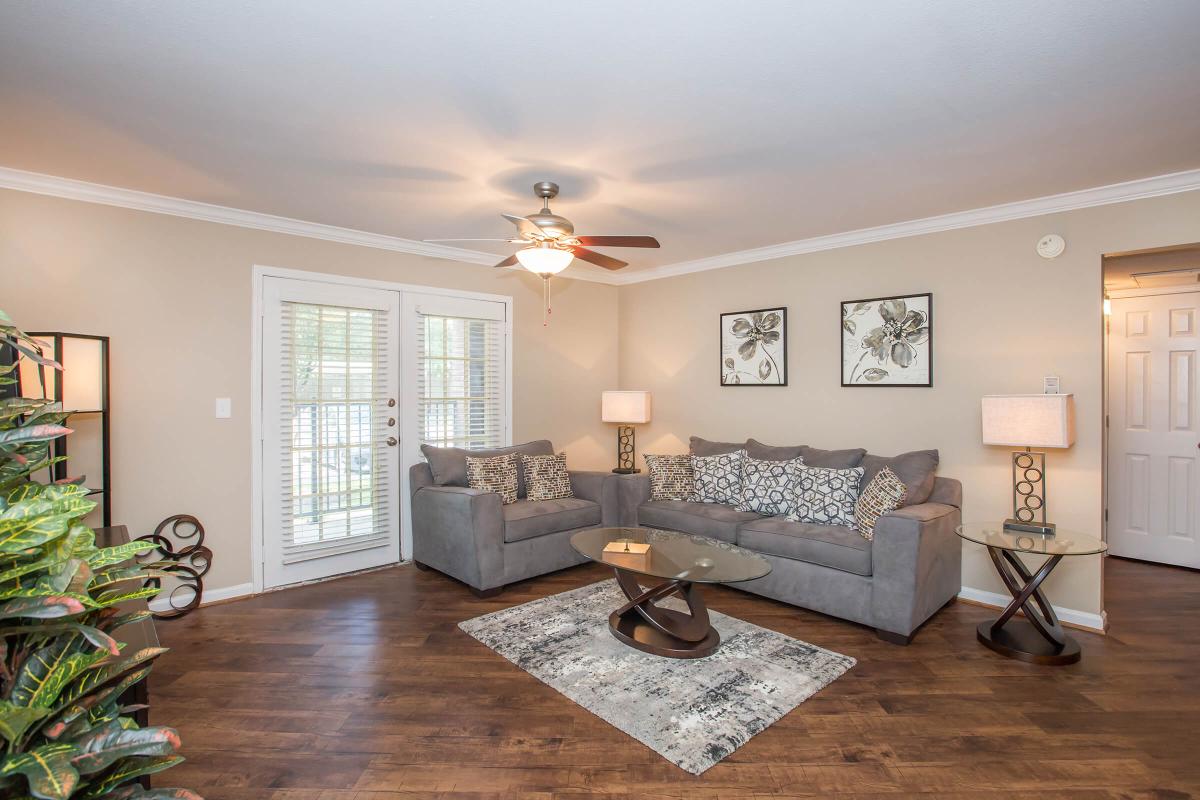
{"points": [[670, 476], [449, 464], [526, 519], [699, 519], [830, 546], [703, 447], [833, 459], [769, 487], [717, 479], [768, 452], [546, 477], [916, 470], [825, 496], [495, 474]]}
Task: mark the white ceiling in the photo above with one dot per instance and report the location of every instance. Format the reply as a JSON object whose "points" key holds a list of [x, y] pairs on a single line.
{"points": [[714, 127]]}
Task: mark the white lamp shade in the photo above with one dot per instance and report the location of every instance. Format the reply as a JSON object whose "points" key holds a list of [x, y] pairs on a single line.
{"points": [[82, 375], [544, 260], [626, 407], [1029, 420]]}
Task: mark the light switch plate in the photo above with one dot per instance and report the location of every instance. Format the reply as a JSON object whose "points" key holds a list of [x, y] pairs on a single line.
{"points": [[1050, 385], [224, 407]]}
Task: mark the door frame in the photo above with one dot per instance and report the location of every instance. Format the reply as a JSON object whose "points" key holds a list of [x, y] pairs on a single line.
{"points": [[258, 274]]}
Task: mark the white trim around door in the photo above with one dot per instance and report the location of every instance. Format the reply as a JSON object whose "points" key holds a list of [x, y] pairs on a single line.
{"points": [[258, 275]]}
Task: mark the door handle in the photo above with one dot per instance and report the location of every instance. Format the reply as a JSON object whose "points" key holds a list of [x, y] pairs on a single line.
{"points": [[391, 441]]}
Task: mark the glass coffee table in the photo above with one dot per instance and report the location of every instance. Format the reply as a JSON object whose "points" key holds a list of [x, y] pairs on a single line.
{"points": [[675, 563], [1039, 639]]}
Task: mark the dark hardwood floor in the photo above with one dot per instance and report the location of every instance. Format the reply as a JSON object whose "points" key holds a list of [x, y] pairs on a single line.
{"points": [[364, 689]]}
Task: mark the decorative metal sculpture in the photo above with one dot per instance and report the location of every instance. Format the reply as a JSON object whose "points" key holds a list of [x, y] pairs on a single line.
{"points": [[188, 564]]}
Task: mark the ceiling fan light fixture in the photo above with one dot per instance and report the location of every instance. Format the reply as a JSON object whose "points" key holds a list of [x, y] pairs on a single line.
{"points": [[544, 259]]}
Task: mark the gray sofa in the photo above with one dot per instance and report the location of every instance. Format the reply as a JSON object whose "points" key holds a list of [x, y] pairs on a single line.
{"points": [[893, 583], [469, 535]]}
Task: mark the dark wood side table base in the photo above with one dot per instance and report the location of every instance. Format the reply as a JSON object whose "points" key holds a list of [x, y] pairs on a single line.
{"points": [[1038, 638], [1020, 640], [663, 631]]}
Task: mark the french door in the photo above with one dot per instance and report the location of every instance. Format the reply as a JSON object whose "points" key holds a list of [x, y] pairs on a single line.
{"points": [[330, 455], [1154, 428]]}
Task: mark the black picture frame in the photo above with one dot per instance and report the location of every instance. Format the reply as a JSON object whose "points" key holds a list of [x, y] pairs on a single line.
{"points": [[779, 364], [858, 335]]}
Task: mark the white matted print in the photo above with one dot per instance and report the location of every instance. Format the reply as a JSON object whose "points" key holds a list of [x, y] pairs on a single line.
{"points": [[888, 341], [754, 348]]}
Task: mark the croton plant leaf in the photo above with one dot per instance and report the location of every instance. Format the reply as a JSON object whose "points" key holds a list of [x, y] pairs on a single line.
{"points": [[47, 768]]}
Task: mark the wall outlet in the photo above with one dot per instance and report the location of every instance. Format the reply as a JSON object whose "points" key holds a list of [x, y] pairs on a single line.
{"points": [[1050, 385], [224, 407]]}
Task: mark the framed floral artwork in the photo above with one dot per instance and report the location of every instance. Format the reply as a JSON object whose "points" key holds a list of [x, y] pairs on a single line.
{"points": [[754, 348], [888, 341]]}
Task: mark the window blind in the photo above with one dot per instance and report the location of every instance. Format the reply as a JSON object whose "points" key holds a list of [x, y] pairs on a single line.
{"points": [[460, 381], [334, 429]]}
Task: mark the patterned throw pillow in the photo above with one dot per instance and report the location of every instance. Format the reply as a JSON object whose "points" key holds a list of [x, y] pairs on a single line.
{"points": [[768, 487], [717, 479], [497, 474], [826, 496], [546, 477], [883, 495], [670, 476]]}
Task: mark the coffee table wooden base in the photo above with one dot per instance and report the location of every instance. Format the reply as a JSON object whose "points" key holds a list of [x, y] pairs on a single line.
{"points": [[663, 631], [1038, 638]]}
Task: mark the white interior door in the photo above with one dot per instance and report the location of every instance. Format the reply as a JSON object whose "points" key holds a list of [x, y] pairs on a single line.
{"points": [[1154, 435], [330, 433]]}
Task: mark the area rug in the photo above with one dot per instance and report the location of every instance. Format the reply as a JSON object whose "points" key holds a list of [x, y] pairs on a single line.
{"points": [[691, 712]]}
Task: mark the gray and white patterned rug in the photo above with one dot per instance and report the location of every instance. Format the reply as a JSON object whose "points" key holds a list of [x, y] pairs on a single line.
{"points": [[691, 712]]}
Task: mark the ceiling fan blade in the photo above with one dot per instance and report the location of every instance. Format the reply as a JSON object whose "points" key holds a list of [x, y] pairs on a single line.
{"points": [[508, 262], [510, 241], [618, 241], [599, 259], [526, 228]]}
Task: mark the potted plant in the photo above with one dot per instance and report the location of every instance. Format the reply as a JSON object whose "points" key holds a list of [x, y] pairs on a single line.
{"points": [[64, 732]]}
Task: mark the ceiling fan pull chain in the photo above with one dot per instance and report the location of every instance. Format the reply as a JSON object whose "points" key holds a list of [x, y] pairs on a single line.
{"points": [[546, 301]]}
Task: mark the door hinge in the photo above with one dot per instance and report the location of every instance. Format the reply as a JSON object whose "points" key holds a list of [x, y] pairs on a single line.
{"points": [[1106, 515]]}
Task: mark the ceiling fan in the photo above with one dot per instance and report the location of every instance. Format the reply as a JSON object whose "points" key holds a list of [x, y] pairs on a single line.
{"points": [[551, 243]]}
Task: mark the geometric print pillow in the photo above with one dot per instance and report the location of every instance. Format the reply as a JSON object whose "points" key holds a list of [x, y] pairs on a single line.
{"points": [[717, 479], [882, 495], [768, 487], [670, 476], [496, 474], [826, 496], [546, 477]]}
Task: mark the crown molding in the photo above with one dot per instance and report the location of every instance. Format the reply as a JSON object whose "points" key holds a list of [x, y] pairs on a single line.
{"points": [[84, 191], [71, 189], [1069, 201]]}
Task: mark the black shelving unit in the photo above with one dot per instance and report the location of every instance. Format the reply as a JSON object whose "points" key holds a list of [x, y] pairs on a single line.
{"points": [[60, 471]]}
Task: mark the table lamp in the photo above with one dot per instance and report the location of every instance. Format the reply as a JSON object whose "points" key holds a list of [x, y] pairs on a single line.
{"points": [[627, 408], [1029, 420]]}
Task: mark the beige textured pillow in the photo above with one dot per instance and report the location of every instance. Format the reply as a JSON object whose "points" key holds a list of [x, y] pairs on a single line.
{"points": [[497, 474], [546, 477], [670, 476], [883, 495]]}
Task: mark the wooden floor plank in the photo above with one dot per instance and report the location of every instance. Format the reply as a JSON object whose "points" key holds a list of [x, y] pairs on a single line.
{"points": [[363, 688]]}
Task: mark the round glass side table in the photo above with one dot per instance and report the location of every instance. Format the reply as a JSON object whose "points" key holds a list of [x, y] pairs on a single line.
{"points": [[1039, 638]]}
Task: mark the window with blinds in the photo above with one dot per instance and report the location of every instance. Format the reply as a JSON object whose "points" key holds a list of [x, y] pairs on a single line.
{"points": [[333, 413], [460, 381]]}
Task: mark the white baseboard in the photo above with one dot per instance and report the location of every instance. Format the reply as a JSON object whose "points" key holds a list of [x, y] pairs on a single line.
{"points": [[1080, 619], [160, 603]]}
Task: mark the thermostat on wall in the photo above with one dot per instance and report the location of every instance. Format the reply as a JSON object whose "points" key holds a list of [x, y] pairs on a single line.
{"points": [[1051, 246], [1050, 385]]}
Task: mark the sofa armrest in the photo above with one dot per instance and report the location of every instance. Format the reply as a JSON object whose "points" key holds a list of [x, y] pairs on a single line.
{"points": [[599, 487], [916, 560], [632, 491], [460, 531]]}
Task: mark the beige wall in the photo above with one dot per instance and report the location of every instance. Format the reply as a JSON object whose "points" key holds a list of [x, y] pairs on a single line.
{"points": [[1003, 319], [175, 295]]}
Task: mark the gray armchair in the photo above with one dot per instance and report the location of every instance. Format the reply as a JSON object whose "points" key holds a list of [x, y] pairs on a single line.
{"points": [[469, 535]]}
